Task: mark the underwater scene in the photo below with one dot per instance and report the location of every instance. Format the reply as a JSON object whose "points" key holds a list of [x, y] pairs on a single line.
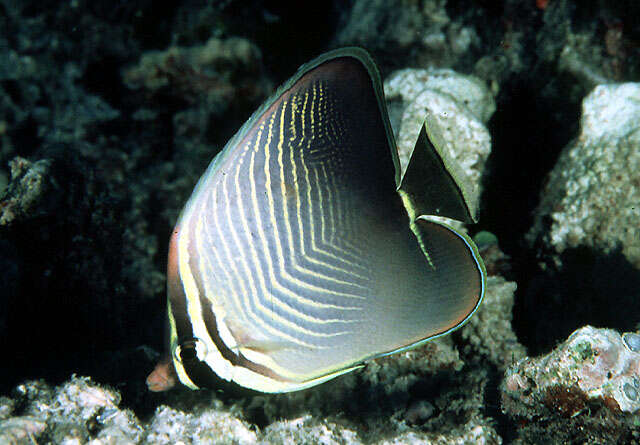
{"points": [[338, 222]]}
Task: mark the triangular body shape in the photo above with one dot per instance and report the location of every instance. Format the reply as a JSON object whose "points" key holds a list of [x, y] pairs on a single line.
{"points": [[294, 260]]}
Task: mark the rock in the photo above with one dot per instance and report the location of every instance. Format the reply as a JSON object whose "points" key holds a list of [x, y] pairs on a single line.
{"points": [[593, 377], [119, 428], [83, 399], [489, 332], [212, 425], [75, 412], [419, 412], [460, 106], [592, 196], [215, 73], [471, 432], [30, 182], [307, 430], [574, 59], [397, 373], [17, 430], [6, 407], [421, 32], [455, 105], [383, 384], [591, 366], [80, 411]]}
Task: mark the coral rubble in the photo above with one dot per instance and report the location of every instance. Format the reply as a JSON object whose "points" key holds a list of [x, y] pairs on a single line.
{"points": [[593, 378], [592, 195]]}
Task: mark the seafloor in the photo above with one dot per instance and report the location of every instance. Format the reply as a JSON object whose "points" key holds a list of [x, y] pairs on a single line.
{"points": [[110, 111]]}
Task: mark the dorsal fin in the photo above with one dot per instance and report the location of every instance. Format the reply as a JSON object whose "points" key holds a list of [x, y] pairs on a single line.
{"points": [[361, 56], [433, 183]]}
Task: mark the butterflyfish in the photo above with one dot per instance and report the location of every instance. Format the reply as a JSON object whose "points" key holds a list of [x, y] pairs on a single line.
{"points": [[304, 250]]}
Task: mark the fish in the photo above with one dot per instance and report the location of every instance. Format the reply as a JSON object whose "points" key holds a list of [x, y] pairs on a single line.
{"points": [[306, 251]]}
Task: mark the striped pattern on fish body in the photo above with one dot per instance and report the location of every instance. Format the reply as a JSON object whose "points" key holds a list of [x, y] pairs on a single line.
{"points": [[296, 259]]}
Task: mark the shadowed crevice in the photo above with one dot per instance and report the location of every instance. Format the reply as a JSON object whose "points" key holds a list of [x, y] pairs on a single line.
{"points": [[591, 288]]}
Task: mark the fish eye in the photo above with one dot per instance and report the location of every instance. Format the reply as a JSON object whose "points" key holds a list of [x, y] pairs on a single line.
{"points": [[190, 350]]}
